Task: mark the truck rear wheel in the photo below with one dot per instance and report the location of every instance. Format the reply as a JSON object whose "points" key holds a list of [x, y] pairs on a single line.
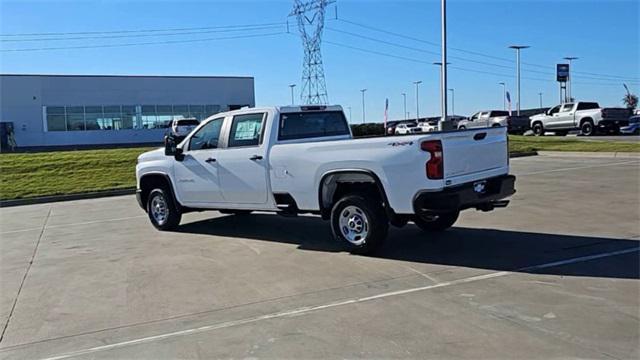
{"points": [[439, 222], [587, 128], [162, 211], [359, 223]]}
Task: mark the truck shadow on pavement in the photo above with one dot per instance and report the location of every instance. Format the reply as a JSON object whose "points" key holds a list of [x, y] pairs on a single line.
{"points": [[498, 250]]}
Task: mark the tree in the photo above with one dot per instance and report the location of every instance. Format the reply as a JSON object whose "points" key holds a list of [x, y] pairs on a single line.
{"points": [[630, 100]]}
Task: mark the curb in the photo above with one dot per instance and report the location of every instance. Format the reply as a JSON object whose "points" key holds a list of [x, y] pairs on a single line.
{"points": [[619, 155], [57, 198]]}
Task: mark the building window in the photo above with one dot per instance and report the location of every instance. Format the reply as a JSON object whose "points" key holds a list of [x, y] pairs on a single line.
{"points": [[121, 117]]}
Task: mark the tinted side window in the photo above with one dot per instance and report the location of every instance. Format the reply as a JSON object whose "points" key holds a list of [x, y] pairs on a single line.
{"points": [[567, 107], [499, 113], [207, 137], [246, 130], [588, 106], [312, 124], [554, 109]]}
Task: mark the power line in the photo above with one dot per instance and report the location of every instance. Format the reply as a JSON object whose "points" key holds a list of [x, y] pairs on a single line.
{"points": [[144, 35], [451, 56], [141, 30], [399, 57], [479, 53], [143, 43]]}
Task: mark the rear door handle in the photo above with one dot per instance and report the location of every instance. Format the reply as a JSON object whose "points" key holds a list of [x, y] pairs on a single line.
{"points": [[255, 157], [210, 160]]}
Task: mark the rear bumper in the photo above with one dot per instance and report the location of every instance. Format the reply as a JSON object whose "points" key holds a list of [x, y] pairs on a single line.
{"points": [[467, 196], [612, 124]]}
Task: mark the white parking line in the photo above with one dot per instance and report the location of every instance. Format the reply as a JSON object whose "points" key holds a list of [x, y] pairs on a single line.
{"points": [[308, 309], [75, 224], [580, 168]]}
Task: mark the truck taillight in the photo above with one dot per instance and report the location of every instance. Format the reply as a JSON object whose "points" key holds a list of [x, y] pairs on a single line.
{"points": [[435, 165]]}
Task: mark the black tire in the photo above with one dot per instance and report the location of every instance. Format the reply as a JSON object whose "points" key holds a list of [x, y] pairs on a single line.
{"points": [[357, 212], [157, 200], [587, 128], [438, 222], [538, 129]]}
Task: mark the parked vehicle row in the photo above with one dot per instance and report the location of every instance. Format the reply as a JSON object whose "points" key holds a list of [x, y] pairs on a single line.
{"points": [[496, 118], [292, 160]]}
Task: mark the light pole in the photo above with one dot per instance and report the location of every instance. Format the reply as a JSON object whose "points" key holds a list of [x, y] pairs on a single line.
{"points": [[438, 63], [404, 95], [453, 104], [504, 95], [443, 72], [569, 58], [363, 117], [417, 100], [540, 94], [518, 48], [292, 86], [349, 113]]}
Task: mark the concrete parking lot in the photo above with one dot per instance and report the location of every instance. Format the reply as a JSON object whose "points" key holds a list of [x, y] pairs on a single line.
{"points": [[556, 274]]}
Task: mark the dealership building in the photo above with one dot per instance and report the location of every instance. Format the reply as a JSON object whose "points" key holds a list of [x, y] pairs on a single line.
{"points": [[71, 110]]}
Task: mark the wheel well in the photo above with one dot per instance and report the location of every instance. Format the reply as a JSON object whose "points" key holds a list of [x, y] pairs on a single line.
{"points": [[583, 120], [336, 185], [495, 125], [153, 181], [537, 122]]}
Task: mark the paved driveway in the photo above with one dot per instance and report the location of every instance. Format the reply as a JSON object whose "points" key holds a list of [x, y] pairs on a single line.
{"points": [[556, 274]]}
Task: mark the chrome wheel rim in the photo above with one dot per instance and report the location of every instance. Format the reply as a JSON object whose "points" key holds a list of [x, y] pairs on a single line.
{"points": [[354, 225], [159, 209]]}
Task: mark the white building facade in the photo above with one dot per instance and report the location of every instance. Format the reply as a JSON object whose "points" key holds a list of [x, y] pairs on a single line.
{"points": [[68, 110]]}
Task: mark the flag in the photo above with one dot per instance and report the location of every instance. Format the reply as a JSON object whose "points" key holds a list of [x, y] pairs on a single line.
{"points": [[509, 102], [386, 113]]}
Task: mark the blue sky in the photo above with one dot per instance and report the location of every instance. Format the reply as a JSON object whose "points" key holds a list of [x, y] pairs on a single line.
{"points": [[603, 34]]}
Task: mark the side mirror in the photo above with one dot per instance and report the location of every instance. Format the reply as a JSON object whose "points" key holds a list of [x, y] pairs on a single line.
{"points": [[171, 148]]}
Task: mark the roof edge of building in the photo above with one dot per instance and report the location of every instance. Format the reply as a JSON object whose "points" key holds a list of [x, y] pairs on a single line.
{"points": [[134, 76]]}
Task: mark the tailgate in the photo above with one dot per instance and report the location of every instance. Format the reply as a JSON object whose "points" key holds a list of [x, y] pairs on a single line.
{"points": [[474, 155]]}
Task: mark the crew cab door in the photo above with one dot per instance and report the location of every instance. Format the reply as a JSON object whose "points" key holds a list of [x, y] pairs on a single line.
{"points": [[551, 120], [197, 177], [242, 165], [565, 117]]}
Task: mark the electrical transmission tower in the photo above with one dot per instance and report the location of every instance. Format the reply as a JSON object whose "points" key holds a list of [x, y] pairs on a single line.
{"points": [[310, 16]]}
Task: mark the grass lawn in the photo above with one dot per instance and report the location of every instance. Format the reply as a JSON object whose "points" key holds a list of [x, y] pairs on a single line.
{"points": [[560, 143], [68, 172]]}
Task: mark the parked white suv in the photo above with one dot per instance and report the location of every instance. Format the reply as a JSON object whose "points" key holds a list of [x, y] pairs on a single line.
{"points": [[293, 160], [407, 128], [182, 127], [588, 117]]}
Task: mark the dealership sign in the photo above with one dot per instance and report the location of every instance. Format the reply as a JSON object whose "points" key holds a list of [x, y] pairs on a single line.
{"points": [[562, 72]]}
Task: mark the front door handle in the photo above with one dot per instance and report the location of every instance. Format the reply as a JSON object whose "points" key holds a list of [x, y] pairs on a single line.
{"points": [[255, 157], [210, 160]]}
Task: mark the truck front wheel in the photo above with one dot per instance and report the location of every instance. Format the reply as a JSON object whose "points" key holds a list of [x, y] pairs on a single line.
{"points": [[360, 223], [436, 222], [538, 129], [162, 210]]}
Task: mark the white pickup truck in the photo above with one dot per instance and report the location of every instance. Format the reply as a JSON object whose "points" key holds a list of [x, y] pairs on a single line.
{"points": [[588, 117], [294, 160]]}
